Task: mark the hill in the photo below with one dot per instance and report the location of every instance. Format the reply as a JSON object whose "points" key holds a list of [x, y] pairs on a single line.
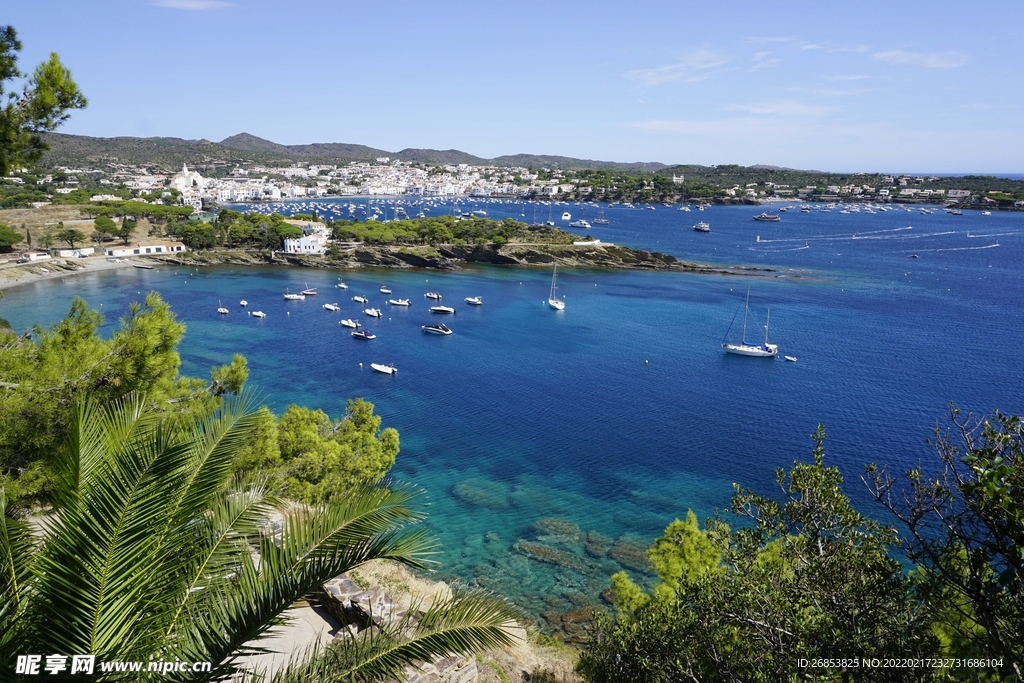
{"points": [[171, 153]]}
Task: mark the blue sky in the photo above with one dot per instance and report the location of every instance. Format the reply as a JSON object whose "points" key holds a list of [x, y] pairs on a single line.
{"points": [[866, 86]]}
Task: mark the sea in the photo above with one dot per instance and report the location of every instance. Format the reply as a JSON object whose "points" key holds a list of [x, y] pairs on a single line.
{"points": [[553, 447]]}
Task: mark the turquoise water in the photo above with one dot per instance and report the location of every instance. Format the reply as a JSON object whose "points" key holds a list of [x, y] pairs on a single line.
{"points": [[620, 413]]}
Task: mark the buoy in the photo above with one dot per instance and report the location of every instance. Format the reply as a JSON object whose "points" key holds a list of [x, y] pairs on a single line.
{"points": [[360, 365], [647, 362]]}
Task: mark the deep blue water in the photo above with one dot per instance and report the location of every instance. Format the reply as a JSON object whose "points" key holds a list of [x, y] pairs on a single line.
{"points": [[622, 411]]}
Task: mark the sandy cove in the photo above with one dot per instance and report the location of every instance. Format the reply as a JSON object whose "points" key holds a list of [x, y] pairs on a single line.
{"points": [[14, 274]]}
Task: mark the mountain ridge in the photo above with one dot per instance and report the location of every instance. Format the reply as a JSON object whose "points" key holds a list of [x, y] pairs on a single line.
{"points": [[243, 147]]}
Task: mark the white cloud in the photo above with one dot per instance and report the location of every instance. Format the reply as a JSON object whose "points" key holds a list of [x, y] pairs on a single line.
{"points": [[934, 60], [696, 67], [825, 92], [764, 60], [193, 5], [849, 78], [785, 108]]}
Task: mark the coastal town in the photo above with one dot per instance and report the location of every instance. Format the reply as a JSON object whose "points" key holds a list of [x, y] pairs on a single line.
{"points": [[392, 177]]}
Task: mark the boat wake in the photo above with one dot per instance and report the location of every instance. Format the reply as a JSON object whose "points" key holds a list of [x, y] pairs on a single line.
{"points": [[778, 251], [992, 234], [987, 246], [901, 237], [838, 236]]}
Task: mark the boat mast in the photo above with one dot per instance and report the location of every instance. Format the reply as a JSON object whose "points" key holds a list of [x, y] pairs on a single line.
{"points": [[743, 339], [767, 320]]}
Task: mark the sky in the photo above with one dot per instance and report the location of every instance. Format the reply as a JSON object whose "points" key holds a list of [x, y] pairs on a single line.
{"points": [[842, 86]]}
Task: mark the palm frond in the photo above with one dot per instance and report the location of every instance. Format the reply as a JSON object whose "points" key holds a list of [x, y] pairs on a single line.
{"points": [[315, 545], [464, 624], [17, 547], [98, 563]]}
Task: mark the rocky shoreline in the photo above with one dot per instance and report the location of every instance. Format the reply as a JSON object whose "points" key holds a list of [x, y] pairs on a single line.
{"points": [[453, 257]]}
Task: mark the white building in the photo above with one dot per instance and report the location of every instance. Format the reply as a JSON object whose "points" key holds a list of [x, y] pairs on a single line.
{"points": [[75, 253], [141, 249], [313, 243]]}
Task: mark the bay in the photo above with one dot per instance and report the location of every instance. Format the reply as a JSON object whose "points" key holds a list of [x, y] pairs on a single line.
{"points": [[622, 412]]}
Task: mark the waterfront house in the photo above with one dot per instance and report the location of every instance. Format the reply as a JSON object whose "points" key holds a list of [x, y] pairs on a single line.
{"points": [[144, 248]]}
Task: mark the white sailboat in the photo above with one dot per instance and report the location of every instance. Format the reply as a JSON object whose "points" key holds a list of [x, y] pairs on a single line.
{"points": [[553, 300], [765, 350], [600, 220]]}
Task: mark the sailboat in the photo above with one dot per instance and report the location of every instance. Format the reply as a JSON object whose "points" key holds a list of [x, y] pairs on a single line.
{"points": [[553, 300], [765, 350], [600, 220]]}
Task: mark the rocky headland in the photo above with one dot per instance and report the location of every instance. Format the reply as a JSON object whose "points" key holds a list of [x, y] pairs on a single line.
{"points": [[453, 257]]}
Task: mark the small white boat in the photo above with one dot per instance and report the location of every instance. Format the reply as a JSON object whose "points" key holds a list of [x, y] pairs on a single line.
{"points": [[348, 322], [363, 334], [566, 216], [294, 297], [332, 307], [259, 314], [765, 216], [360, 299], [384, 290], [579, 224], [553, 300], [439, 328], [373, 312], [475, 300], [399, 302], [243, 302], [702, 227], [341, 285], [432, 295], [309, 291], [442, 309], [221, 309], [791, 359], [386, 369], [139, 265]]}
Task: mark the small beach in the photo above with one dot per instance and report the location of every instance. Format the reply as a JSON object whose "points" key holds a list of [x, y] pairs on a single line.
{"points": [[13, 274]]}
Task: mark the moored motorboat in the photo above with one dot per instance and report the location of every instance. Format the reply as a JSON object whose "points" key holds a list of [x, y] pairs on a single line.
{"points": [[360, 299], [432, 295], [442, 309], [475, 300], [341, 285], [363, 334], [293, 297], [399, 302], [221, 309], [386, 369], [332, 307], [384, 289], [143, 266], [309, 291], [765, 216], [243, 303], [259, 314], [439, 328], [791, 359], [348, 322], [373, 312], [579, 224], [702, 227]]}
